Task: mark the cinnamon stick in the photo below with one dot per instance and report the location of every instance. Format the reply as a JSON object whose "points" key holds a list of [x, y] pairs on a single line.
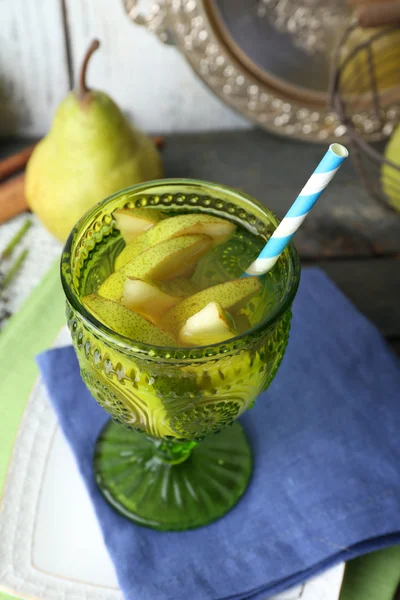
{"points": [[16, 162], [159, 142], [12, 198]]}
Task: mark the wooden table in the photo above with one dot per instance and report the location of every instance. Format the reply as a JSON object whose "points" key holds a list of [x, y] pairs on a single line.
{"points": [[354, 239]]}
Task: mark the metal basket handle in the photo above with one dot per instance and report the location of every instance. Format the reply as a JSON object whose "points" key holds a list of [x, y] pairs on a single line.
{"points": [[367, 158]]}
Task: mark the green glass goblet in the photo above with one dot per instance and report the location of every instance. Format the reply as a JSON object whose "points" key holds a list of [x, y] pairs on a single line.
{"points": [[181, 461]]}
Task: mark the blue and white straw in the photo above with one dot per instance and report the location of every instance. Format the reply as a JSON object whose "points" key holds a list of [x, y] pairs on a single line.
{"points": [[300, 208]]}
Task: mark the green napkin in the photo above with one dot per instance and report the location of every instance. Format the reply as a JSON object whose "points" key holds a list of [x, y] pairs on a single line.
{"points": [[375, 576], [31, 330]]}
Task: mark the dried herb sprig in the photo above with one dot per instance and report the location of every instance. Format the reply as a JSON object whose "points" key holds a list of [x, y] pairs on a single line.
{"points": [[6, 277], [16, 239], [11, 273]]}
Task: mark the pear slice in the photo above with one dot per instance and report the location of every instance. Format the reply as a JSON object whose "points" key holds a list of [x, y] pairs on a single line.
{"points": [[172, 258], [202, 224], [230, 295], [133, 222], [113, 287], [211, 325], [132, 250], [196, 223], [126, 322], [147, 299]]}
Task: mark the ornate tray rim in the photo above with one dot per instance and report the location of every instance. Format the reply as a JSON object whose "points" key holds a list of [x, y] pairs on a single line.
{"points": [[273, 104], [196, 36]]}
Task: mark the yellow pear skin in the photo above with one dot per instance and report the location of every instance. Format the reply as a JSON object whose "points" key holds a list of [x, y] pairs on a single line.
{"points": [[126, 322], [355, 77], [390, 177], [90, 152]]}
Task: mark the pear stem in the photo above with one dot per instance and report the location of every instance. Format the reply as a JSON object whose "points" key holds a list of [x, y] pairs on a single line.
{"points": [[83, 88]]}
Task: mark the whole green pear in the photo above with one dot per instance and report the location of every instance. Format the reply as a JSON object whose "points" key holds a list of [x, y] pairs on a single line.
{"points": [[90, 152]]}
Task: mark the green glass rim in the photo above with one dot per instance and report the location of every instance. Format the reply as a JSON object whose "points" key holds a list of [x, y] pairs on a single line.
{"points": [[243, 339]]}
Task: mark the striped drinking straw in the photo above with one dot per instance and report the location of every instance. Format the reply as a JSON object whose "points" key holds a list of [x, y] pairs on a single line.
{"points": [[300, 208]]}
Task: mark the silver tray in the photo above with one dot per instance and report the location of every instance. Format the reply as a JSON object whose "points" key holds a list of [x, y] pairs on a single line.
{"points": [[271, 60], [267, 59]]}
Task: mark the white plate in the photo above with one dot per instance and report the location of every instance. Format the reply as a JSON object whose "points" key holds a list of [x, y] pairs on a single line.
{"points": [[51, 545]]}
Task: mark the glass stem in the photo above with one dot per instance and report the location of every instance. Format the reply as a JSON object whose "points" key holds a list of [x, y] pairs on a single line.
{"points": [[172, 452]]}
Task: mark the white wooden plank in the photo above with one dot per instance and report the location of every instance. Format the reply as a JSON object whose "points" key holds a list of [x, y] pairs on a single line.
{"points": [[33, 67], [149, 80]]}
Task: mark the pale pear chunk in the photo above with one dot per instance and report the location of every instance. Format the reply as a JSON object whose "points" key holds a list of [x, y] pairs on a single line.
{"points": [[147, 299], [217, 229], [133, 221], [164, 261], [230, 295], [126, 322], [211, 325]]}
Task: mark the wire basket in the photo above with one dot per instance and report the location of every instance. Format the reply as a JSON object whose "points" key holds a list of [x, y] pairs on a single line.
{"points": [[365, 91]]}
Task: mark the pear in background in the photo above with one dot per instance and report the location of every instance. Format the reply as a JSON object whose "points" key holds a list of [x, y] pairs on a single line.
{"points": [[356, 77], [90, 152], [390, 177]]}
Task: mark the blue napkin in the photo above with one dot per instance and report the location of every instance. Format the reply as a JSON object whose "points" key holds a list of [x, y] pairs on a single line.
{"points": [[326, 483]]}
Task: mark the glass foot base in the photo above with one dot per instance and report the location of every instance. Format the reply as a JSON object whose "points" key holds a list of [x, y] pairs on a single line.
{"points": [[172, 497]]}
